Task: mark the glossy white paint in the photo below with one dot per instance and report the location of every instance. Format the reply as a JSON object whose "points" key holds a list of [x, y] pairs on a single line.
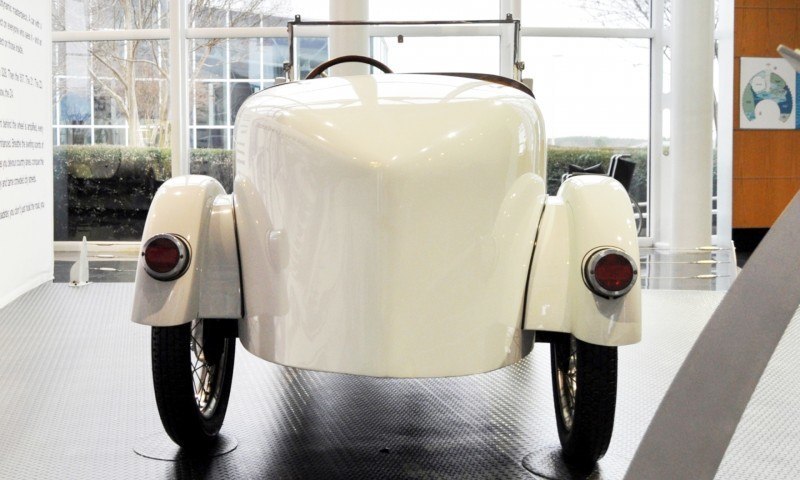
{"points": [[220, 290], [588, 213], [386, 223], [183, 206], [386, 226]]}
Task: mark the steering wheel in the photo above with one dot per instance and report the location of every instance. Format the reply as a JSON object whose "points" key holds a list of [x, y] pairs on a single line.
{"points": [[346, 59]]}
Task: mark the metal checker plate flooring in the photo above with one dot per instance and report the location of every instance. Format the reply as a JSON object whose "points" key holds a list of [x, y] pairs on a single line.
{"points": [[76, 398]]}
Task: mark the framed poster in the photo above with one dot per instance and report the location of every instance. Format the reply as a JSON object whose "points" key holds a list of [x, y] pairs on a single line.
{"points": [[768, 94]]}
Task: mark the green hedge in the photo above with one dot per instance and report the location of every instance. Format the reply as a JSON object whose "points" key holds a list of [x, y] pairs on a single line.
{"points": [[559, 158], [104, 191], [215, 163], [139, 165], [146, 166]]}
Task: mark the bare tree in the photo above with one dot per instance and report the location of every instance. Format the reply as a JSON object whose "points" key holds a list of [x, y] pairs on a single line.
{"points": [[134, 74], [610, 12], [627, 12]]}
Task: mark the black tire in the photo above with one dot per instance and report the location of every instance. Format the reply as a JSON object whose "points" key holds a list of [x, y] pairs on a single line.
{"points": [[191, 415], [585, 396]]}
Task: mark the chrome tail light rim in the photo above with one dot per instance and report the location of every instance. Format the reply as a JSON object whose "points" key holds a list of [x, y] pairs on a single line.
{"points": [[184, 257], [591, 280]]}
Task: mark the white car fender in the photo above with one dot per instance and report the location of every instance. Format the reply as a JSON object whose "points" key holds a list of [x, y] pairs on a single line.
{"points": [[589, 212], [195, 208]]}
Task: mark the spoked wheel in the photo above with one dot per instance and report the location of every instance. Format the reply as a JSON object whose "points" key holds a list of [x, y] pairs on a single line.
{"points": [[192, 371], [585, 394]]}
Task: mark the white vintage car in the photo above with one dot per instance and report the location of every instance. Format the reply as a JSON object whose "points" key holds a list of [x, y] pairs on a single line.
{"points": [[390, 225]]}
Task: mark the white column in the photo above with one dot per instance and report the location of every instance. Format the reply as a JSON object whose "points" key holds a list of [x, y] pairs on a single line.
{"points": [[725, 124], [690, 153], [350, 39], [658, 175], [514, 7], [178, 102]]}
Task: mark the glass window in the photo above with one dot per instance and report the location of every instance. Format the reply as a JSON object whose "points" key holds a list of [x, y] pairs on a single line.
{"points": [[208, 58], [311, 51], [439, 10], [224, 74], [111, 99], [239, 91], [110, 136], [586, 13], [595, 97], [245, 58], [79, 15], [107, 111], [210, 103], [439, 54], [212, 138], [111, 131], [74, 101], [253, 13], [276, 51], [75, 136]]}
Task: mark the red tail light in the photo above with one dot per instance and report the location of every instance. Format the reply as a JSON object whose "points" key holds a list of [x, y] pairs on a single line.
{"points": [[610, 273], [166, 256]]}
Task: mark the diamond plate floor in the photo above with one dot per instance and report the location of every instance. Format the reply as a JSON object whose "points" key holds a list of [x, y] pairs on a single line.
{"points": [[76, 397]]}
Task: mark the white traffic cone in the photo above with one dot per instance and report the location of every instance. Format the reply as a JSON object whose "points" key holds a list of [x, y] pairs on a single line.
{"points": [[79, 273]]}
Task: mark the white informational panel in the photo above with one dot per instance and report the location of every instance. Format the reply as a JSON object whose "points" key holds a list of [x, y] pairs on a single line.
{"points": [[768, 94], [26, 147]]}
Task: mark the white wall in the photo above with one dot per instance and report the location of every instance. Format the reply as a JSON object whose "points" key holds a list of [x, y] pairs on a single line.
{"points": [[26, 149]]}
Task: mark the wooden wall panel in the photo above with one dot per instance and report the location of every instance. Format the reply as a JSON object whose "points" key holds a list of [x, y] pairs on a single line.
{"points": [[752, 3], [764, 198], [766, 163]]}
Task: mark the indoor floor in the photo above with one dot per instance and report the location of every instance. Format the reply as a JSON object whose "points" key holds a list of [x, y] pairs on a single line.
{"points": [[76, 402]]}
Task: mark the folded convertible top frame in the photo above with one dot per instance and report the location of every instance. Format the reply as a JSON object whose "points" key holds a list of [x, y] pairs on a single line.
{"points": [[518, 64]]}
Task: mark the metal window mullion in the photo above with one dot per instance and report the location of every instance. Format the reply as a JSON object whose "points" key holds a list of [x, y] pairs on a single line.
{"points": [[374, 30], [226, 87], [656, 157], [178, 12], [58, 104], [192, 90], [261, 57], [724, 34], [431, 30], [112, 35], [133, 87], [227, 91], [92, 101], [656, 37], [588, 32], [236, 32]]}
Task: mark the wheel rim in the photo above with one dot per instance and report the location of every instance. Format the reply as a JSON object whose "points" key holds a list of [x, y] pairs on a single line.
{"points": [[206, 371], [567, 380]]}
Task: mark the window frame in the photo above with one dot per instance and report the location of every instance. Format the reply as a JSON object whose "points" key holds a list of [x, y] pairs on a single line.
{"points": [[179, 34]]}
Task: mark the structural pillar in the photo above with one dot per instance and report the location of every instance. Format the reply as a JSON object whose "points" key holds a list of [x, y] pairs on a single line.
{"points": [[179, 72], [687, 203], [349, 39]]}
